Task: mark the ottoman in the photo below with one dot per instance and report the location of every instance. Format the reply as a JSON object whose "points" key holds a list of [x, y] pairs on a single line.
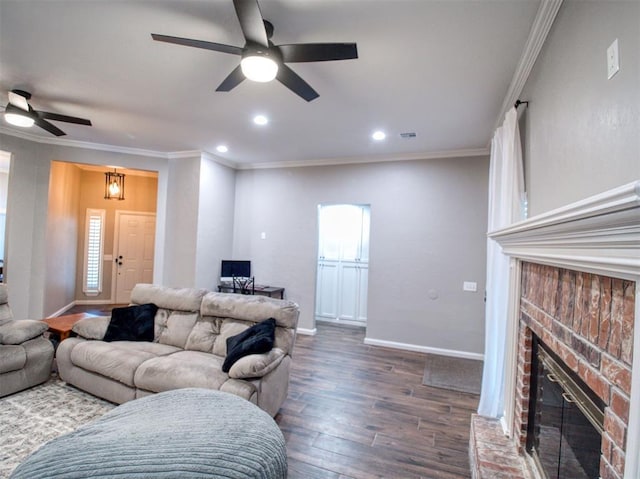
{"points": [[184, 433]]}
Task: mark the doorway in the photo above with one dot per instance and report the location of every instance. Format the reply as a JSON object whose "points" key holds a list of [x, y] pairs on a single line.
{"points": [[343, 263], [133, 252]]}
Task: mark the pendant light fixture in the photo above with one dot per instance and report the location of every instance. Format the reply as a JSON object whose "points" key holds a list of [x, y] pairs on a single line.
{"points": [[114, 185]]}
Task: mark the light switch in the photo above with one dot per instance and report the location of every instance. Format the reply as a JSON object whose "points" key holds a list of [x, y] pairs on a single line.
{"points": [[613, 60], [263, 235], [470, 286]]}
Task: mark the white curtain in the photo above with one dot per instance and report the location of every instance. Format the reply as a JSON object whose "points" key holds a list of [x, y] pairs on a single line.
{"points": [[506, 206]]}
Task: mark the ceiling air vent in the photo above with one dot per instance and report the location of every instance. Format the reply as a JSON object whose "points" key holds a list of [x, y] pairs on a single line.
{"points": [[408, 135]]}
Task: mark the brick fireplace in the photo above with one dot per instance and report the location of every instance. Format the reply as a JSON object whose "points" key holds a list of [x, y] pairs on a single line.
{"points": [[575, 283], [587, 321]]}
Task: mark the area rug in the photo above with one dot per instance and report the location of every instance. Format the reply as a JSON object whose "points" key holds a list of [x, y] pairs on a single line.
{"points": [[458, 374], [30, 418]]}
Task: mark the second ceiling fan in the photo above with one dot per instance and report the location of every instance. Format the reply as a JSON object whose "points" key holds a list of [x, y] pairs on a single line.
{"points": [[260, 52]]}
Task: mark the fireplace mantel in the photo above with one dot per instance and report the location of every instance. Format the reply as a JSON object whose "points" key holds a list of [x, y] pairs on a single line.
{"points": [[601, 235]]}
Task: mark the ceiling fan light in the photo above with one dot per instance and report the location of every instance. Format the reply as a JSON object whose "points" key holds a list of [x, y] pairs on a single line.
{"points": [[19, 120], [259, 68]]}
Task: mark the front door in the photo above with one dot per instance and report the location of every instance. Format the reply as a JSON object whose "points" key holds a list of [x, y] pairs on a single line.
{"points": [[134, 249]]}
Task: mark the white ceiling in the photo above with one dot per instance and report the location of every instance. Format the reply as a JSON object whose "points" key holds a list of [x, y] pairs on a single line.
{"points": [[440, 69]]}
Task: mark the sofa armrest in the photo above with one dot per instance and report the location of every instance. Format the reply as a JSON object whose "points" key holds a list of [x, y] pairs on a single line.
{"points": [[256, 365], [92, 328], [20, 330]]}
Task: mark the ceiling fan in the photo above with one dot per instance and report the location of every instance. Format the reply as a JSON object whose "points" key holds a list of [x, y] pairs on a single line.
{"points": [[261, 59], [18, 112]]}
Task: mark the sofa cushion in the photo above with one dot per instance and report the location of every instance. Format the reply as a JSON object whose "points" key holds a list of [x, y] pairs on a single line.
{"points": [[109, 359], [174, 327], [203, 335], [174, 299], [92, 327], [20, 330], [179, 370], [5, 310], [12, 358], [250, 308], [228, 328], [132, 323], [257, 339], [256, 365]]}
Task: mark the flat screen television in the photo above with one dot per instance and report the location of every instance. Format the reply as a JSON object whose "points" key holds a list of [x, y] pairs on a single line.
{"points": [[231, 268]]}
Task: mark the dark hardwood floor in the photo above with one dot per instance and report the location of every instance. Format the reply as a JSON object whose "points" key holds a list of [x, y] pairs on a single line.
{"points": [[359, 411]]}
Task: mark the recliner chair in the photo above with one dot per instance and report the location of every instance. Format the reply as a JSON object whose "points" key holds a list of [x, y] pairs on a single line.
{"points": [[26, 355]]}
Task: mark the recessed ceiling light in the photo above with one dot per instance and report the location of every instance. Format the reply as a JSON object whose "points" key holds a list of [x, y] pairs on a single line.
{"points": [[260, 120], [222, 148], [379, 135]]}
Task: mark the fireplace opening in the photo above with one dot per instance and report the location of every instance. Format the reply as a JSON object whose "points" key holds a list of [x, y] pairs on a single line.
{"points": [[566, 419]]}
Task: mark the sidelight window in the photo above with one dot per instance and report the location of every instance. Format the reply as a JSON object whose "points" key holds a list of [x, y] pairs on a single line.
{"points": [[93, 247]]}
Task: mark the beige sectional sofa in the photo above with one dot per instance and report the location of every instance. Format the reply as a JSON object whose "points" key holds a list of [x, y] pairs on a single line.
{"points": [[191, 328]]}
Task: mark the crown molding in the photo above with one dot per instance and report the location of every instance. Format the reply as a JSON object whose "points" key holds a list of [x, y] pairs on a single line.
{"points": [[222, 161], [366, 159], [84, 144], [176, 155], [171, 155], [600, 234], [537, 36]]}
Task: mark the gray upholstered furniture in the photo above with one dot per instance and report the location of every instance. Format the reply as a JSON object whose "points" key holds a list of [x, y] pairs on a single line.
{"points": [[188, 350], [186, 433], [26, 355]]}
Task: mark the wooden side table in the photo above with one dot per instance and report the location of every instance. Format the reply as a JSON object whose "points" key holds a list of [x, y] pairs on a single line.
{"points": [[61, 325]]}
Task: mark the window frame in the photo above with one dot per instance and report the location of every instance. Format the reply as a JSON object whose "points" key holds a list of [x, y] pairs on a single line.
{"points": [[93, 259]]}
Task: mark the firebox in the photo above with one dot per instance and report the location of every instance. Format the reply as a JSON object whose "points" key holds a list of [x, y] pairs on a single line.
{"points": [[566, 419]]}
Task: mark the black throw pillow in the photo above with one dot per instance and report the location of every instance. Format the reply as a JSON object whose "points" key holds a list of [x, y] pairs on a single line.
{"points": [[257, 339], [131, 323]]}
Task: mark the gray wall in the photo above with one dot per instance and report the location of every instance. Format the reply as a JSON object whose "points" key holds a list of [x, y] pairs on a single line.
{"points": [[62, 236], [199, 221], [428, 224], [182, 222], [427, 233], [583, 131], [215, 221]]}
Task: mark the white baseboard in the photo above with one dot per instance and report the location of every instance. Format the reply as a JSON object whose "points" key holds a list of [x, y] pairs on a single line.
{"points": [[62, 310], [89, 302], [307, 332], [361, 324], [424, 349]]}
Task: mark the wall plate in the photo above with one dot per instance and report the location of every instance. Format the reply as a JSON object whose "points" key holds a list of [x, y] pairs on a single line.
{"points": [[613, 60]]}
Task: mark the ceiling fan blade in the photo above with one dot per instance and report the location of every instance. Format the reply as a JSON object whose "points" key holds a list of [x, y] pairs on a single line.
{"points": [[45, 125], [18, 101], [318, 52], [45, 115], [216, 47], [295, 83], [233, 80], [251, 21]]}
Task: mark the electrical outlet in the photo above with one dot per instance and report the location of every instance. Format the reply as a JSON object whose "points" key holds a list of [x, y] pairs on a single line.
{"points": [[470, 286], [263, 235], [613, 60]]}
